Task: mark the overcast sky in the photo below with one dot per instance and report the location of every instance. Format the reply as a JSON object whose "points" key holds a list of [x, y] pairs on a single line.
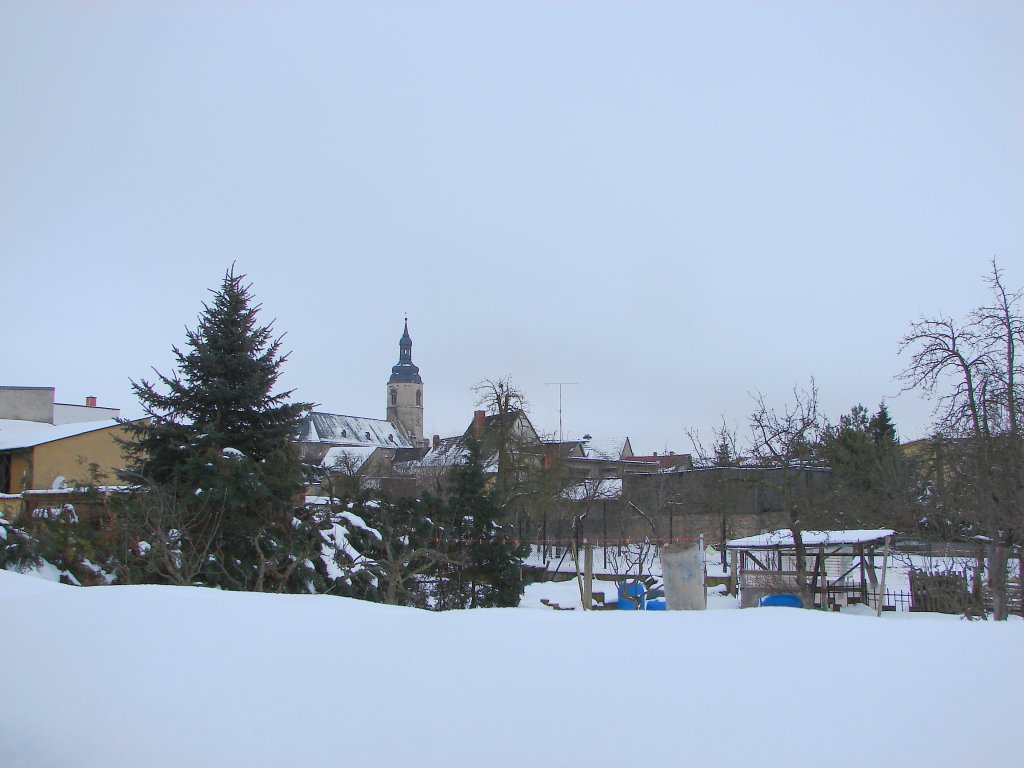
{"points": [[671, 204]]}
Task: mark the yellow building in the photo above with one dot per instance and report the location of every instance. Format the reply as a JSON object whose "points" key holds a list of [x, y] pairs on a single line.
{"points": [[40, 456], [46, 445]]}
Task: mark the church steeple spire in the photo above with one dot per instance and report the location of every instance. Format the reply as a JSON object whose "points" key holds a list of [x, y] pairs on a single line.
{"points": [[405, 392], [406, 371]]}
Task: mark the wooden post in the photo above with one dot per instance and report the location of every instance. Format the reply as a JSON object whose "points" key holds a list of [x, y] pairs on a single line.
{"points": [[604, 533], [824, 579], [703, 568], [732, 573], [881, 587], [976, 586], [579, 575], [872, 576], [588, 576], [863, 582]]}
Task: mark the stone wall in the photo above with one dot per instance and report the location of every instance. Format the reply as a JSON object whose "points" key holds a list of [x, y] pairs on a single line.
{"points": [[719, 504]]}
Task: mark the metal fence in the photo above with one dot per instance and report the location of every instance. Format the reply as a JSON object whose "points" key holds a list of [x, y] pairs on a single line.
{"points": [[843, 595]]}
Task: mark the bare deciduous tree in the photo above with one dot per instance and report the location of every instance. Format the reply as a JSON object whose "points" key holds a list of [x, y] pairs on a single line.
{"points": [[500, 398], [723, 493], [787, 441], [343, 478], [165, 538], [972, 368], [518, 450]]}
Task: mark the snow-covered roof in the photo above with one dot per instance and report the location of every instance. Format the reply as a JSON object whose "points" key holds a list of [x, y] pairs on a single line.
{"points": [[452, 451], [608, 449], [337, 429], [449, 451], [349, 457], [17, 433], [784, 538]]}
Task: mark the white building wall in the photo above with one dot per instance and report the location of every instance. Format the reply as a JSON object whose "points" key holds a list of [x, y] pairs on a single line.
{"points": [[65, 413]]}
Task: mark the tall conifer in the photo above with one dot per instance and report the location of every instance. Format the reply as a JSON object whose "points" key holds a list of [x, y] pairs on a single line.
{"points": [[218, 434], [489, 570]]}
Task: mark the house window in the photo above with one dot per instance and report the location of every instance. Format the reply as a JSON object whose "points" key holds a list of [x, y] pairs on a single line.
{"points": [[419, 397], [394, 397]]}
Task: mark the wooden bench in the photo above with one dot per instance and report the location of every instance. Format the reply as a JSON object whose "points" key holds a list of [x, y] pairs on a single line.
{"points": [[556, 606]]}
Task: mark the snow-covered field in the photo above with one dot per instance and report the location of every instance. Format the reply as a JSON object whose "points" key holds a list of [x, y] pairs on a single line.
{"points": [[163, 676]]}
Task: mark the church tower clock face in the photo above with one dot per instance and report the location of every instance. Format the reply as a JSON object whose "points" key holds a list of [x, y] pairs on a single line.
{"points": [[405, 391]]}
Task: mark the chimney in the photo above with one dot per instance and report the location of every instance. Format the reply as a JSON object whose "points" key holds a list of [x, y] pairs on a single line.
{"points": [[436, 442], [479, 422], [550, 455], [90, 401]]}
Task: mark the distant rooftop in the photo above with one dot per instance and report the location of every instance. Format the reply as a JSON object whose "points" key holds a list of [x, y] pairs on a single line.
{"points": [[339, 429]]}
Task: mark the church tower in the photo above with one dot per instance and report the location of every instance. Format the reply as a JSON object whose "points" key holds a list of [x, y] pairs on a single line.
{"points": [[405, 392]]}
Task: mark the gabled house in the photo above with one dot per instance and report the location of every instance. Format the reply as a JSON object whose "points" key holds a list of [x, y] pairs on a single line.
{"points": [[508, 437], [49, 446]]}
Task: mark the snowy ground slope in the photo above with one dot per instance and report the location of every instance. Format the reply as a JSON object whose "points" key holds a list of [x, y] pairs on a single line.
{"points": [[164, 676]]}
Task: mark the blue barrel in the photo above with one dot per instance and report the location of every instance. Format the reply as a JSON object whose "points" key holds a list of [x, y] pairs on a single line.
{"points": [[632, 596], [781, 601], [656, 605]]}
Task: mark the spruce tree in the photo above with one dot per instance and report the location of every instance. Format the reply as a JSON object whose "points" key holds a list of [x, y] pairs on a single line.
{"points": [[873, 483], [882, 429], [488, 571], [850, 451], [392, 551], [219, 439]]}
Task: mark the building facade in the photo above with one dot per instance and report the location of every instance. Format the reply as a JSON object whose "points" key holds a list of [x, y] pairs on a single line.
{"points": [[45, 445]]}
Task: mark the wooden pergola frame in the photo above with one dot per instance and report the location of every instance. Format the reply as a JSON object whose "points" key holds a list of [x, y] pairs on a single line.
{"points": [[747, 559]]}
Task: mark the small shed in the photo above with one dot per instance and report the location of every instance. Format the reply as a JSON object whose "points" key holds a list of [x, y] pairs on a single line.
{"points": [[839, 569]]}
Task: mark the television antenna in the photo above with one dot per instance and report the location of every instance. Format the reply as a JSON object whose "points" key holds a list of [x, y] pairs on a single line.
{"points": [[560, 384]]}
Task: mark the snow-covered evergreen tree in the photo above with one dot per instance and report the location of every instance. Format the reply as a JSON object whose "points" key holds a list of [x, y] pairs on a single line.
{"points": [[390, 551], [486, 560], [219, 437]]}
